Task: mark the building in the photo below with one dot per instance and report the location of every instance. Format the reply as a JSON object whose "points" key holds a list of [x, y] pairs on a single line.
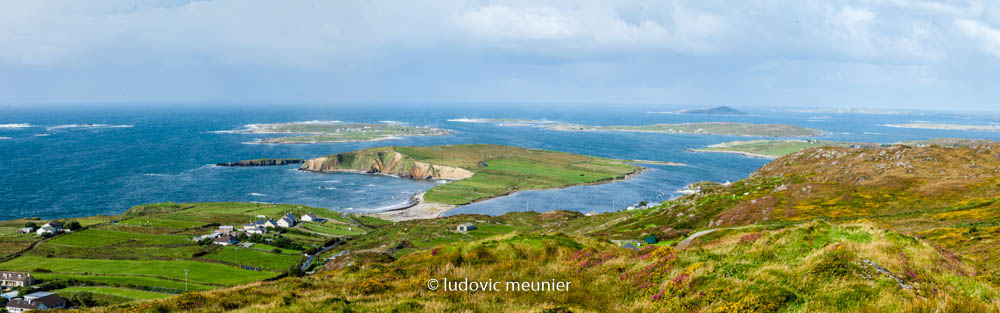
{"points": [[225, 240], [15, 279], [266, 223], [254, 229], [466, 227], [291, 217], [26, 230], [227, 228], [209, 236], [286, 222], [49, 228], [36, 301], [312, 218]]}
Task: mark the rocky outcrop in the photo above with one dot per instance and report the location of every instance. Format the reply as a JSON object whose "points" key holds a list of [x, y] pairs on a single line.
{"points": [[262, 162], [384, 161]]}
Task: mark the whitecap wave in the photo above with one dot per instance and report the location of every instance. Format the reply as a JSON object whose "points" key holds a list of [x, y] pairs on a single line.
{"points": [[72, 126], [873, 133], [16, 125], [469, 120], [331, 181], [5, 138], [257, 194], [42, 135], [156, 174], [392, 122], [327, 188], [369, 185]]}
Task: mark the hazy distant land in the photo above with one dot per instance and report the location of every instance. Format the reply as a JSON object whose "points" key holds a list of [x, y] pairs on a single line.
{"points": [[946, 126], [708, 128], [335, 131]]}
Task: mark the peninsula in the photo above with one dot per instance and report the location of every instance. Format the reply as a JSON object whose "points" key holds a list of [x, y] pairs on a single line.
{"points": [[477, 172], [261, 162], [706, 128], [334, 131], [941, 126], [770, 149]]}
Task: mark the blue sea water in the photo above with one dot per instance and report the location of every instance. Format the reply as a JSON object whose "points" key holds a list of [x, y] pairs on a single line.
{"points": [[148, 154]]}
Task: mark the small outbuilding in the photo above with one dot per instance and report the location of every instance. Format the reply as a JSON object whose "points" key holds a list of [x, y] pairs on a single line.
{"points": [[465, 227], [225, 240]]}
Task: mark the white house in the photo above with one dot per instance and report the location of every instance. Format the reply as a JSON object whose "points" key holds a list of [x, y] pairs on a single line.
{"points": [[291, 216], [15, 279], [46, 229], [286, 222], [311, 218], [266, 223], [466, 227], [254, 229], [227, 228], [225, 240], [36, 301]]}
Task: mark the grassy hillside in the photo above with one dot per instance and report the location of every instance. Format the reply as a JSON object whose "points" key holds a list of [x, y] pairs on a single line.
{"points": [[889, 229], [145, 252], [773, 148], [495, 170]]}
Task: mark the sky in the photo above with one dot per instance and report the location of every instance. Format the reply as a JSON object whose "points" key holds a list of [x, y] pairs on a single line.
{"points": [[866, 53]]}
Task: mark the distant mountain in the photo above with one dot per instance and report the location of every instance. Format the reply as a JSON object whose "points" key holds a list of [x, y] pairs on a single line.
{"points": [[723, 110]]}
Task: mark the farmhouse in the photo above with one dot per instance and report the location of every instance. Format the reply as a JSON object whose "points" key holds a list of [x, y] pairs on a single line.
{"points": [[291, 217], [286, 222], [226, 228], [49, 228], [311, 218], [466, 227], [254, 229], [36, 301], [266, 223], [225, 240], [15, 279]]}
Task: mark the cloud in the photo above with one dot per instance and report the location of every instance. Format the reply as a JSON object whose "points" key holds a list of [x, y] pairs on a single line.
{"points": [[986, 38]]}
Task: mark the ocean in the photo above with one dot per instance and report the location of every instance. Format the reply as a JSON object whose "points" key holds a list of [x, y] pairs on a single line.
{"points": [[74, 161]]}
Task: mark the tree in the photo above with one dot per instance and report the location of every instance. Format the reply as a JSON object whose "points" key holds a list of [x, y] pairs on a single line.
{"points": [[276, 250], [31, 224], [73, 225]]}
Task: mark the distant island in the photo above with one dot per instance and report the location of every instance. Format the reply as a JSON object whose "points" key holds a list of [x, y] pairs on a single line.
{"points": [[477, 172], [946, 126], [262, 162], [334, 131], [707, 128], [721, 110], [771, 149], [503, 121]]}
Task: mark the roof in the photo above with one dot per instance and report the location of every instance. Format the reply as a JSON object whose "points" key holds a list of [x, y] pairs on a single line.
{"points": [[14, 276], [310, 215], [54, 223], [35, 300], [467, 224], [226, 238]]}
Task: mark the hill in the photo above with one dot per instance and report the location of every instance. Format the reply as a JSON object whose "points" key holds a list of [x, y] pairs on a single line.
{"points": [[478, 172], [890, 229], [720, 110]]}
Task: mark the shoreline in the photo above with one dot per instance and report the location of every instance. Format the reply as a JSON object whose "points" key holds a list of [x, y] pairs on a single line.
{"points": [[420, 209], [743, 153]]}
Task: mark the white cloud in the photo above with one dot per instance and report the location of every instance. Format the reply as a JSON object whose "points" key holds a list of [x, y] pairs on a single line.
{"points": [[987, 38]]}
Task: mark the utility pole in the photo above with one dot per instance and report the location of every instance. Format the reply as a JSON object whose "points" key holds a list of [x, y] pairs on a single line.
{"points": [[185, 280]]}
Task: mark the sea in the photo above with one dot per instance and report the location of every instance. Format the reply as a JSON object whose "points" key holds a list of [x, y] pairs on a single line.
{"points": [[71, 161]]}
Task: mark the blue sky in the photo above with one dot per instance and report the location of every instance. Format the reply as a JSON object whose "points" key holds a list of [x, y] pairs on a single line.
{"points": [[871, 53]]}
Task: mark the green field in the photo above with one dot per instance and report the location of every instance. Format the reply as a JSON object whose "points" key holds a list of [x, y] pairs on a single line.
{"points": [[265, 260], [199, 272], [771, 148], [706, 128], [128, 281], [496, 170], [130, 294], [100, 238], [333, 228]]}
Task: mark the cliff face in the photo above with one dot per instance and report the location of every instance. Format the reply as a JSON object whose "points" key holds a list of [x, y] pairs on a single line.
{"points": [[384, 161]]}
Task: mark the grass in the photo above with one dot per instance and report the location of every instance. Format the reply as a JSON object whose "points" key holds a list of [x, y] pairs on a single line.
{"points": [[200, 272], [770, 148], [128, 281], [496, 170], [100, 238], [808, 267], [340, 132], [333, 228], [265, 260], [130, 294]]}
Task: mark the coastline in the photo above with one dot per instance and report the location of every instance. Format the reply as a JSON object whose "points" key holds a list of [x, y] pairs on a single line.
{"points": [[743, 153], [421, 209]]}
